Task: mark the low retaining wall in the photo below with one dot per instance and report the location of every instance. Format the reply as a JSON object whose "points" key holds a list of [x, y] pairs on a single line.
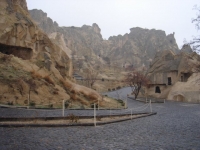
{"points": [[2, 119], [153, 100]]}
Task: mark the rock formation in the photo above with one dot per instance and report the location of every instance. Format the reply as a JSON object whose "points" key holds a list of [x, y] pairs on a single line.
{"points": [[44, 22], [175, 76], [137, 48], [140, 46], [186, 49], [32, 63]]}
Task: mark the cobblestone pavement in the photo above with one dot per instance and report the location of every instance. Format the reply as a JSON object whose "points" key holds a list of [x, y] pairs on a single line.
{"points": [[176, 126]]}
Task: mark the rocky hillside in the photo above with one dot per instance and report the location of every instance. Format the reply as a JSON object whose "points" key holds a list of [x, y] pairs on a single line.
{"points": [[34, 65], [137, 48], [140, 46], [82, 41]]}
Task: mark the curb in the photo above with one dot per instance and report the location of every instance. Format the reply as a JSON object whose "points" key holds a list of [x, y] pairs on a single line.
{"points": [[144, 101], [68, 125], [25, 107]]}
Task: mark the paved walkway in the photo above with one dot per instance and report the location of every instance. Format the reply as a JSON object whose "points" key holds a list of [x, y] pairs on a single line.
{"points": [[176, 126]]}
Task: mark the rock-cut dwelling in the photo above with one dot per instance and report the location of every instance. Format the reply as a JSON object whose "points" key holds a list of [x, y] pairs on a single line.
{"points": [[174, 76]]}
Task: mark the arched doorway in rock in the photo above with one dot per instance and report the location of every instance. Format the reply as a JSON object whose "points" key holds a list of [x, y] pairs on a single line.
{"points": [[157, 89], [179, 97]]}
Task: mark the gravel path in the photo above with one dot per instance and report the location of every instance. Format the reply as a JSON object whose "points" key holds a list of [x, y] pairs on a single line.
{"points": [[176, 126]]}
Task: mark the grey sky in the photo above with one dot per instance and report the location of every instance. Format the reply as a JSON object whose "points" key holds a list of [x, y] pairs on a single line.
{"points": [[116, 17]]}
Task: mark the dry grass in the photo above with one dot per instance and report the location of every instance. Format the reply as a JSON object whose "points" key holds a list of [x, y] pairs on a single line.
{"points": [[35, 75], [66, 85], [92, 97], [49, 80], [82, 101], [6, 58]]}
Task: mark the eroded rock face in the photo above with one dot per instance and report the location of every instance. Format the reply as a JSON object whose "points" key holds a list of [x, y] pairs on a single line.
{"points": [[21, 37], [32, 63], [137, 48], [44, 22], [186, 49], [140, 46], [175, 76]]}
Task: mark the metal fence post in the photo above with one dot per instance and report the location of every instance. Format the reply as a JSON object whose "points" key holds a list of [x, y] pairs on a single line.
{"points": [[94, 115], [63, 112], [98, 104], [150, 106], [131, 114], [28, 101]]}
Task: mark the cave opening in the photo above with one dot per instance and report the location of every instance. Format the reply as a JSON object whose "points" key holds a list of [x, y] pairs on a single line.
{"points": [[169, 81], [21, 52], [179, 98], [157, 90]]}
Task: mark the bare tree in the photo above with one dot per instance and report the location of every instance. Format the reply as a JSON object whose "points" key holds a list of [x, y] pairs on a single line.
{"points": [[195, 43], [136, 80], [91, 77]]}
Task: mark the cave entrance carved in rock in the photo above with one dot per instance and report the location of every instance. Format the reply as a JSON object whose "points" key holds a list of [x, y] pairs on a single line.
{"points": [[179, 98], [157, 90], [169, 81], [21, 52]]}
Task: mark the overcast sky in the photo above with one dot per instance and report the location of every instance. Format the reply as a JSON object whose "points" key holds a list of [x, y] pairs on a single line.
{"points": [[116, 17]]}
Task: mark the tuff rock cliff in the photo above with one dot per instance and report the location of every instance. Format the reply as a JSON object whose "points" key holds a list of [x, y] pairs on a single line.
{"points": [[34, 65], [175, 76], [140, 46], [137, 48]]}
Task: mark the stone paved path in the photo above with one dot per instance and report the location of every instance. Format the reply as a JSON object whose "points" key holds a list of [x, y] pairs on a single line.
{"points": [[176, 126]]}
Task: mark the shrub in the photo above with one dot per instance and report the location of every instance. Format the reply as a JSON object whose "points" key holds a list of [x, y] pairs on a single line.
{"points": [[67, 104], [98, 118], [121, 101], [82, 107], [109, 89], [102, 79], [92, 105], [10, 103], [73, 118], [32, 103], [119, 87]]}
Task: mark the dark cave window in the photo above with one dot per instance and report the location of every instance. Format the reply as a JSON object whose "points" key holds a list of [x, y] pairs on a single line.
{"points": [[169, 81], [157, 90]]}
